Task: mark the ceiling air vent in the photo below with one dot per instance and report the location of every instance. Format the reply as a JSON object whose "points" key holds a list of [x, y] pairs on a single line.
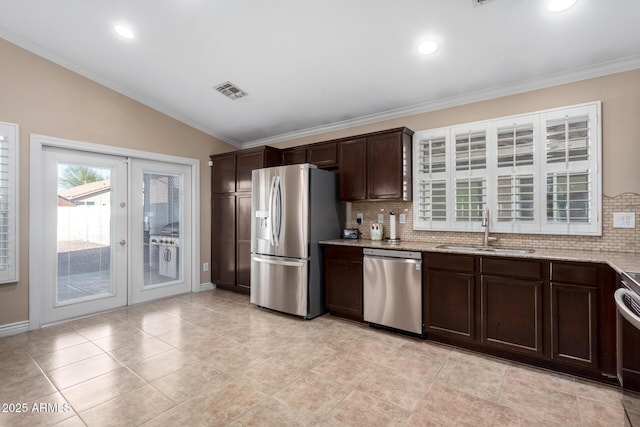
{"points": [[230, 90], [477, 3]]}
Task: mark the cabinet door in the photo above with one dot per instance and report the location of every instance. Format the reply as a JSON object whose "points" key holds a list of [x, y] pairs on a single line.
{"points": [[343, 281], [353, 169], [323, 155], [294, 156], [512, 314], [246, 163], [449, 304], [384, 166], [574, 324], [223, 174], [243, 241], [223, 240]]}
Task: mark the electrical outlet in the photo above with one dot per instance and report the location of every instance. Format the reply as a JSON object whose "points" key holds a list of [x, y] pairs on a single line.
{"points": [[624, 220], [359, 217], [402, 219], [380, 218], [205, 266]]}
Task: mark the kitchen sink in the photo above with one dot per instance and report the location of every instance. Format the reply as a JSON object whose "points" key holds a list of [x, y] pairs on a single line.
{"points": [[494, 249]]}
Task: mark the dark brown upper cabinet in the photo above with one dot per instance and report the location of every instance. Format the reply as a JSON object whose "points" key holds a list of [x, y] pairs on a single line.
{"points": [[223, 174], [322, 154], [353, 169], [294, 156], [376, 166]]}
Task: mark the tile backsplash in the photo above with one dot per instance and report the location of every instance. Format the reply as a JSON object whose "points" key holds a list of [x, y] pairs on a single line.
{"points": [[612, 239]]}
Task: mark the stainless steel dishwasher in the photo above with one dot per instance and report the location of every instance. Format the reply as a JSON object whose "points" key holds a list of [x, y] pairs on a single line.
{"points": [[392, 289]]}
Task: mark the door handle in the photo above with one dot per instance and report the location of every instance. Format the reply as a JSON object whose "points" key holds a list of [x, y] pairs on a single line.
{"points": [[122, 242], [619, 295]]}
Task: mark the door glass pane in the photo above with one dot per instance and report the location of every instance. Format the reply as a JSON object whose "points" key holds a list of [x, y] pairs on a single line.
{"points": [[162, 195], [84, 232]]}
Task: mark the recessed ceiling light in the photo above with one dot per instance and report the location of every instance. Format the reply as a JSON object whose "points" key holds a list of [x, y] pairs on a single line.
{"points": [[124, 31], [428, 47], [560, 5]]}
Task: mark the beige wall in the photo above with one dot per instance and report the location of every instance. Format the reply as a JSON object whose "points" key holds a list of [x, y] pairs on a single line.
{"points": [[44, 98], [620, 96]]}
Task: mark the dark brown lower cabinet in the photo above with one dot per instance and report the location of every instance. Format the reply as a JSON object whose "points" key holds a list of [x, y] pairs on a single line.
{"points": [[512, 314], [449, 304], [574, 324], [555, 314], [343, 281]]}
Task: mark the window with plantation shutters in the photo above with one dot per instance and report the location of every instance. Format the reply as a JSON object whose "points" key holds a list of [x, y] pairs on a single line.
{"points": [[571, 170], [515, 198], [430, 179], [537, 173], [471, 150], [471, 199], [8, 203], [432, 203]]}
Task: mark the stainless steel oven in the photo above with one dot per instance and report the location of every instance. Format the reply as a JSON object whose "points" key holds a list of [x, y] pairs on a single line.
{"points": [[627, 298]]}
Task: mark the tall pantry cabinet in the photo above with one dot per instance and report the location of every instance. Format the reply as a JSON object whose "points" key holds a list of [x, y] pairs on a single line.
{"points": [[231, 214]]}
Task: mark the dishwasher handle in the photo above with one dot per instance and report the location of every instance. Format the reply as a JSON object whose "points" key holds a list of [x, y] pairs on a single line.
{"points": [[392, 254]]}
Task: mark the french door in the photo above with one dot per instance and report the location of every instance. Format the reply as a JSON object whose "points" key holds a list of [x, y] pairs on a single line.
{"points": [[161, 212], [85, 234], [117, 232]]}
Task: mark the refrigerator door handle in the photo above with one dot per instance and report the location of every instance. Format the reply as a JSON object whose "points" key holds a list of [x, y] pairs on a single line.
{"points": [[275, 208], [295, 263], [271, 210]]}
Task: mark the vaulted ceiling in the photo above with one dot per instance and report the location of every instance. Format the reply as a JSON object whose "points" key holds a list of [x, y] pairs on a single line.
{"points": [[309, 66]]}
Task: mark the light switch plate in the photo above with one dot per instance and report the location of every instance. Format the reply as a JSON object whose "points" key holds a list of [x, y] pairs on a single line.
{"points": [[624, 220], [402, 219], [380, 218]]}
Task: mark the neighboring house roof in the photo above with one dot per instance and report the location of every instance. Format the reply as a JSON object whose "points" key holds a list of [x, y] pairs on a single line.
{"points": [[85, 190], [64, 202]]}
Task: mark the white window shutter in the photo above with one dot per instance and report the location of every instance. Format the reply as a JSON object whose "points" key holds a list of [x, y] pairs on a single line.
{"points": [[8, 202]]}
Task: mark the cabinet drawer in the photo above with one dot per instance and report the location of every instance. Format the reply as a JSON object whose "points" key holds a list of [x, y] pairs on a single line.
{"points": [[511, 267], [583, 274], [344, 253], [462, 263]]}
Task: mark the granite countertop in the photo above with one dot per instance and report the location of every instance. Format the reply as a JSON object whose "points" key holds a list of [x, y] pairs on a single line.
{"points": [[619, 261]]}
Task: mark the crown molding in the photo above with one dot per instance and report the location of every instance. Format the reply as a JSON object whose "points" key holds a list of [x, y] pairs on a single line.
{"points": [[598, 70]]}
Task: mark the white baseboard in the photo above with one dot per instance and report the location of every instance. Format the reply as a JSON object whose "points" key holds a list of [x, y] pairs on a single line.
{"points": [[207, 286], [14, 328]]}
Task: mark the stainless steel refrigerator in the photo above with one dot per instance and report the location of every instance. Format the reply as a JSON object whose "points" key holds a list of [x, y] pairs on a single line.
{"points": [[292, 208]]}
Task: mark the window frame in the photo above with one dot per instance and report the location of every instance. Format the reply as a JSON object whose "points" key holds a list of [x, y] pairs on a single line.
{"points": [[12, 132], [539, 169]]}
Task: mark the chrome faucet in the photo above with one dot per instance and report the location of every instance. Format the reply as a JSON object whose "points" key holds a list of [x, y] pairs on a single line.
{"points": [[485, 224]]}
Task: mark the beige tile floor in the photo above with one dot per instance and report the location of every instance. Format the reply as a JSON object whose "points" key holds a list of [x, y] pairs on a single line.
{"points": [[213, 359]]}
